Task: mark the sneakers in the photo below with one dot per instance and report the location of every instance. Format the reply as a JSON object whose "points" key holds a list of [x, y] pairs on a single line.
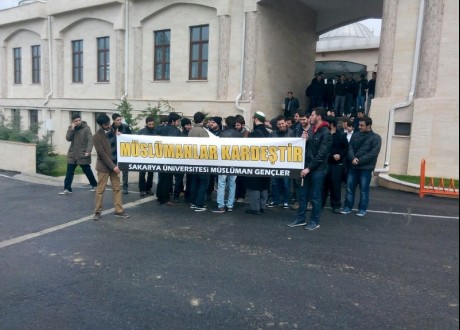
{"points": [[272, 204], [97, 216], [218, 210], [240, 200], [361, 213], [295, 206], [149, 192], [125, 191], [142, 194], [65, 192], [285, 206], [345, 210], [176, 200], [252, 212], [336, 210], [297, 223], [230, 209], [200, 209], [312, 226], [122, 215], [93, 188]]}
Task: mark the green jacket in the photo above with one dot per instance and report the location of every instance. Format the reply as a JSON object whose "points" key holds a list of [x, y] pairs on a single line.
{"points": [[81, 142]]}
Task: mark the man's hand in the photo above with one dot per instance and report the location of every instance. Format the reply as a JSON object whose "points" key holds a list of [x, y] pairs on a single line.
{"points": [[304, 172], [116, 170], [355, 161], [305, 135], [336, 157]]}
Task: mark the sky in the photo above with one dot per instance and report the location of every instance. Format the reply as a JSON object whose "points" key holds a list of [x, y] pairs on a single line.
{"points": [[7, 3], [373, 24]]}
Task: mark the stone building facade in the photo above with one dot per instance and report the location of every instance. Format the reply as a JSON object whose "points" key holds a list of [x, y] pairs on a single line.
{"points": [[249, 54]]}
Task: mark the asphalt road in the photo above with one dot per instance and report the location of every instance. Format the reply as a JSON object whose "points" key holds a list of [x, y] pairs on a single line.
{"points": [[171, 268]]}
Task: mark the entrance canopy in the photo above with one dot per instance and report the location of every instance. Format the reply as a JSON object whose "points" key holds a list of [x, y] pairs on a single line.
{"points": [[334, 68]]}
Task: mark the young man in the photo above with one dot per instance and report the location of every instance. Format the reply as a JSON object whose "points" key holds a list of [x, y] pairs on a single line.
{"points": [[336, 167], [222, 180], [291, 104], [281, 185], [258, 186], [145, 186], [105, 143], [371, 92], [165, 180], [363, 152], [198, 182], [317, 154], [120, 128], [81, 143], [361, 89]]}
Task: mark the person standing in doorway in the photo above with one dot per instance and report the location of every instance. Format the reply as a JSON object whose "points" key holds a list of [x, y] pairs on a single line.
{"points": [[120, 128], [371, 92], [81, 143]]}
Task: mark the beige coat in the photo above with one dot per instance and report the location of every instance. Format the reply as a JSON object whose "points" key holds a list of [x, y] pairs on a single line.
{"points": [[81, 142]]}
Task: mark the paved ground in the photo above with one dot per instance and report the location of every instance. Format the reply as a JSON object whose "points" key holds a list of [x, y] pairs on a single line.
{"points": [[170, 268]]}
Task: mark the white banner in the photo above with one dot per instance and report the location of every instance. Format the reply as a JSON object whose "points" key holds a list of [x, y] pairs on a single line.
{"points": [[280, 157]]}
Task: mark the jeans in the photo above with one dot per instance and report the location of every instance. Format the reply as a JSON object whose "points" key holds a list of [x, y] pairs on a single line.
{"points": [[363, 178], [360, 101], [340, 105], [258, 199], [198, 187], [311, 190], [71, 171], [281, 185], [222, 182]]}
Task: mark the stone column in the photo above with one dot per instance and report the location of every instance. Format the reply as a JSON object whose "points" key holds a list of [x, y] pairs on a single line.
{"points": [[250, 54], [137, 54], [225, 23], [430, 48], [3, 73], [45, 67], [387, 48], [59, 83], [120, 64]]}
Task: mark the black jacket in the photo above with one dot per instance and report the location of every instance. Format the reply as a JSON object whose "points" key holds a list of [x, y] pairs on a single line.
{"points": [[318, 149], [366, 147], [146, 131], [289, 133], [258, 183], [339, 147], [341, 89], [168, 130], [231, 133], [123, 129]]}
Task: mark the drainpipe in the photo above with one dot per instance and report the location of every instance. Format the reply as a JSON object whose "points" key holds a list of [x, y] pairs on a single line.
{"points": [[243, 50], [126, 48], [50, 59], [410, 97]]}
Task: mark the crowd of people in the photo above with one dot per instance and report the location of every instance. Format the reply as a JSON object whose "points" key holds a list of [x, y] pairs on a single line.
{"points": [[338, 150]]}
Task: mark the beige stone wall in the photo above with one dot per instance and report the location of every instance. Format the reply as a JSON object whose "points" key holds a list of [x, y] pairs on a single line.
{"points": [[13, 151], [286, 55]]}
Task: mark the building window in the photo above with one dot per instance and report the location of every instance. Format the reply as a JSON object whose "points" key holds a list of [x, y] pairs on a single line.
{"points": [[162, 55], [103, 59], [77, 61], [33, 121], [16, 119], [199, 42], [36, 60], [17, 65], [403, 129]]}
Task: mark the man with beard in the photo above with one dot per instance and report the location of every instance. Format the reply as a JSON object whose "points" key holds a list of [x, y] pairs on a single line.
{"points": [[145, 186], [318, 147], [105, 143], [258, 186], [81, 143]]}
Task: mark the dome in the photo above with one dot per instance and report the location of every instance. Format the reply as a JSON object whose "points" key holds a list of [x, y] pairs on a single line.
{"points": [[355, 30]]}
